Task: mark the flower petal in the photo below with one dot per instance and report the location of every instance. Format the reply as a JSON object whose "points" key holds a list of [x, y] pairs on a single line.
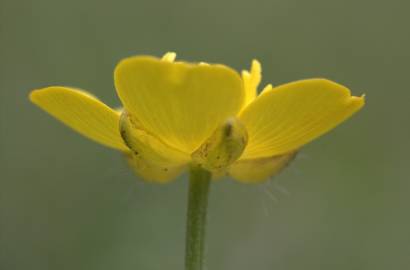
{"points": [[286, 117], [258, 170], [169, 57], [82, 112], [251, 80], [182, 104]]}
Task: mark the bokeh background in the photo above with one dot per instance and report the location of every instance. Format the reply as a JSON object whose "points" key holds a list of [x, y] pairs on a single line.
{"points": [[68, 203]]}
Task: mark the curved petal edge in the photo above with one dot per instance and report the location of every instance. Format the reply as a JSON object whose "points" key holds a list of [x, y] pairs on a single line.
{"points": [[82, 112]]}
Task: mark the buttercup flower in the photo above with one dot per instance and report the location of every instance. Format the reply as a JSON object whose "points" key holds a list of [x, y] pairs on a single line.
{"points": [[178, 113]]}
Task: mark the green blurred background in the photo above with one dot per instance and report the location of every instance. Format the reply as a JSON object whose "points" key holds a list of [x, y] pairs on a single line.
{"points": [[68, 203]]}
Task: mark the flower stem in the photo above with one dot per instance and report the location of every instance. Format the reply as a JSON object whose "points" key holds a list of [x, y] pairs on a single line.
{"points": [[199, 182]]}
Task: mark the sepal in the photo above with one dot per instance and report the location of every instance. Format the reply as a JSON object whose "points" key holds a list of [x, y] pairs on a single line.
{"points": [[224, 146]]}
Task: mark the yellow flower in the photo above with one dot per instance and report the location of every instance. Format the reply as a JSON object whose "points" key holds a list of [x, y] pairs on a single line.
{"points": [[176, 113]]}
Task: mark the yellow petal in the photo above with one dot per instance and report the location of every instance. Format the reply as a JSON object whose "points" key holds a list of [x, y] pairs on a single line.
{"points": [[82, 112], [251, 81], [153, 172], [266, 89], [258, 170], [169, 57], [286, 117], [182, 104]]}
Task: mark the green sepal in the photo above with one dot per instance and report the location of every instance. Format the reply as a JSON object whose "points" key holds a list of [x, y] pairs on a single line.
{"points": [[224, 147]]}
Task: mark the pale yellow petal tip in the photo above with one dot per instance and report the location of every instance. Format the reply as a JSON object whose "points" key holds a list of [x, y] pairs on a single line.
{"points": [[355, 101], [266, 89], [245, 74], [169, 57], [256, 67], [254, 73], [33, 95], [358, 102], [36, 95]]}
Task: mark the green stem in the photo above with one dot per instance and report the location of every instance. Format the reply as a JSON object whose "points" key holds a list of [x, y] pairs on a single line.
{"points": [[199, 182]]}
